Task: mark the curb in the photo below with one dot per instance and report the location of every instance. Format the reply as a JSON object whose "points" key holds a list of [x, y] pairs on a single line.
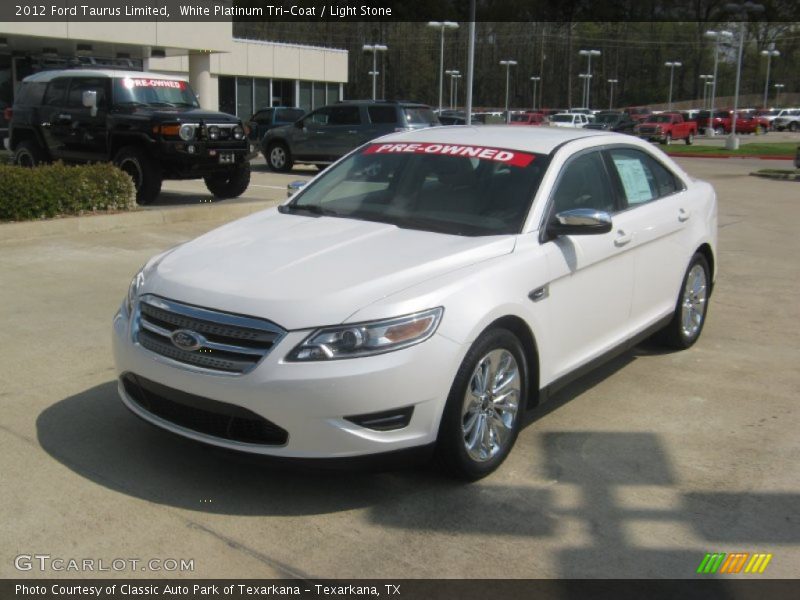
{"points": [[97, 223], [703, 155], [778, 176]]}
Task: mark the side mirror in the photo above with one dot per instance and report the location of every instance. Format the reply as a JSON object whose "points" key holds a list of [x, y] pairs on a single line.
{"points": [[89, 99], [580, 221]]}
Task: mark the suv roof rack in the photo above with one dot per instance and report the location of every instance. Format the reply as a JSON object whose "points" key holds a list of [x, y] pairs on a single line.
{"points": [[369, 101], [92, 62]]}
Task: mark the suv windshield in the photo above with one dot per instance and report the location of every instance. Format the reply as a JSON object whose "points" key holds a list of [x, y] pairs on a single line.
{"points": [[154, 92], [608, 118], [455, 189]]}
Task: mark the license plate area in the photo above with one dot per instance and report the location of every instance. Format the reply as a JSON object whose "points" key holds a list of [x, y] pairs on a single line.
{"points": [[227, 158]]}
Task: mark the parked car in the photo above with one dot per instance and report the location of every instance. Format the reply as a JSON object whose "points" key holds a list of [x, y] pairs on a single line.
{"points": [[269, 118], [420, 295], [328, 133], [528, 118], [149, 124], [788, 120], [638, 113], [773, 113], [573, 120], [720, 122], [612, 121], [748, 123], [454, 117], [666, 127]]}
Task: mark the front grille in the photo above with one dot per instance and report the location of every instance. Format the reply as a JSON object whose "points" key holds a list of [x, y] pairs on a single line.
{"points": [[203, 415], [648, 130], [225, 342]]}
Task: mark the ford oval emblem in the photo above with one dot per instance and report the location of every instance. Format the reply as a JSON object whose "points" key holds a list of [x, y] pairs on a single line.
{"points": [[186, 340]]}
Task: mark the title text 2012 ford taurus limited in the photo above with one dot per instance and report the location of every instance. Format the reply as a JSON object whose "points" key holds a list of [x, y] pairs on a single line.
{"points": [[421, 293]]}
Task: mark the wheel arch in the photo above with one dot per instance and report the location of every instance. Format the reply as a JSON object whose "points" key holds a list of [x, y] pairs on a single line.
{"points": [[522, 331], [17, 135], [707, 253]]}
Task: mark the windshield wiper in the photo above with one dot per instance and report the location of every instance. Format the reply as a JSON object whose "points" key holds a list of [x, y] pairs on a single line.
{"points": [[312, 209], [170, 104], [133, 103]]}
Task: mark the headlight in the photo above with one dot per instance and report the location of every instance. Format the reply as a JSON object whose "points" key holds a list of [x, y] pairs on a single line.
{"points": [[133, 290], [367, 339], [238, 132], [213, 132], [186, 132]]}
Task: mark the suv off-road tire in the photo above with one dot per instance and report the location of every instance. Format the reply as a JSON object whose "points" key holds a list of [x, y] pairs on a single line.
{"points": [[146, 176], [231, 184], [29, 154]]}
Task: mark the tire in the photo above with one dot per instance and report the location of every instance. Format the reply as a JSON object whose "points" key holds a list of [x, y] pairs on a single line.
{"points": [[279, 158], [231, 184], [793, 127], [691, 308], [719, 131], [146, 176], [29, 154], [667, 139], [690, 139], [472, 407]]}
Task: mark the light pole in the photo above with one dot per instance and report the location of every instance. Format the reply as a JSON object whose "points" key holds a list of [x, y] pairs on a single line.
{"points": [[535, 81], [588, 80], [717, 36], [441, 26], [778, 87], [508, 64], [374, 48], [671, 64], [456, 77], [452, 74], [708, 85], [769, 54], [705, 79], [611, 83], [585, 77]]}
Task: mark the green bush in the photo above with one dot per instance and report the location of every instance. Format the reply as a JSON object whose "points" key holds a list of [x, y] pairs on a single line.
{"points": [[57, 189]]}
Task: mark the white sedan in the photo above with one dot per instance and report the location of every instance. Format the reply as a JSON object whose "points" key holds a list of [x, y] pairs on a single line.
{"points": [[420, 294]]}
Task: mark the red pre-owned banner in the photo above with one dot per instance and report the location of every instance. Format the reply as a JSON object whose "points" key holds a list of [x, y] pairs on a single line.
{"points": [[511, 157]]}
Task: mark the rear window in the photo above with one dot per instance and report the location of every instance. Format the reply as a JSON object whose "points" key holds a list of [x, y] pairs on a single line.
{"points": [[419, 115], [288, 115], [448, 188], [382, 114], [30, 93]]}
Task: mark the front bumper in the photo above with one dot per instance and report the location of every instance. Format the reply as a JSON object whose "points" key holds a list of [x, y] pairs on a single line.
{"points": [[310, 400]]}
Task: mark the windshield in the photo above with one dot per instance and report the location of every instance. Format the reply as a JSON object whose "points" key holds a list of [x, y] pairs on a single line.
{"points": [[607, 118], [561, 118], [454, 189], [288, 115], [154, 92], [660, 119]]}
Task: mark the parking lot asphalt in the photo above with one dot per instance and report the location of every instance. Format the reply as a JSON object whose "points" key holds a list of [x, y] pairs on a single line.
{"points": [[636, 470]]}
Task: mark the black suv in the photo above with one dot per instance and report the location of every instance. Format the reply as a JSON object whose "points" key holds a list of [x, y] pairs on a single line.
{"points": [[150, 125], [330, 132]]}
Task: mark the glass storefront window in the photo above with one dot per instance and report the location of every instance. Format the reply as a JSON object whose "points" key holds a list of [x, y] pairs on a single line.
{"points": [[244, 97], [261, 94], [332, 93], [305, 96], [319, 94], [227, 95]]}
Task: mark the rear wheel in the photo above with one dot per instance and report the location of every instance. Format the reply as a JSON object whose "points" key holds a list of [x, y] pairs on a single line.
{"points": [[146, 177], [483, 413], [279, 158], [29, 154], [719, 131], [793, 126], [690, 139], [690, 311], [667, 139], [231, 184]]}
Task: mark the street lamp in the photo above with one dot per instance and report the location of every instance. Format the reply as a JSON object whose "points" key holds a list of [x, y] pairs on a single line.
{"points": [[769, 54], [374, 48], [718, 36], [456, 77], [535, 81], [587, 80], [778, 87], [452, 73], [507, 64], [585, 77], [671, 65], [611, 83], [442, 25], [706, 83]]}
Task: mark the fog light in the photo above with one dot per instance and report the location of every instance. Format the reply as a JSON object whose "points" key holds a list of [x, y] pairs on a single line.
{"points": [[190, 149], [213, 132]]}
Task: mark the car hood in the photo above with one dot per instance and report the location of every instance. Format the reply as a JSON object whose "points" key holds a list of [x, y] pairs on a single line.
{"points": [[302, 272], [184, 115]]}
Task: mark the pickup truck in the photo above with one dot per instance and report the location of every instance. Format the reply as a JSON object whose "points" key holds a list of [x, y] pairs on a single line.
{"points": [[666, 127]]}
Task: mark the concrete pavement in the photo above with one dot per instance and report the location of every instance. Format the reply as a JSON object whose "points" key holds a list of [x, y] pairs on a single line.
{"points": [[636, 470]]}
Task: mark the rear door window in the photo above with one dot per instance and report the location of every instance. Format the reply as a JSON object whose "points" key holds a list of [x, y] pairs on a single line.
{"points": [[642, 178], [419, 115], [382, 114], [85, 84], [56, 93]]}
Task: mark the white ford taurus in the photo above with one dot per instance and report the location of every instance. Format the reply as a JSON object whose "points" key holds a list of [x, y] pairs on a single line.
{"points": [[421, 293]]}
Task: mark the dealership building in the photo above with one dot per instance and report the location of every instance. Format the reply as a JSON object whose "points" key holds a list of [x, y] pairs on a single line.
{"points": [[229, 74]]}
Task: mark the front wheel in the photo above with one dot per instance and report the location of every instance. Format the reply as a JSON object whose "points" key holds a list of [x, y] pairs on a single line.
{"points": [[483, 412], [690, 139], [231, 184], [690, 311], [278, 157], [793, 126], [667, 139]]}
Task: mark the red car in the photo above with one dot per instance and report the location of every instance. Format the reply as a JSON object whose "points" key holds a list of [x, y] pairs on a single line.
{"points": [[748, 123], [638, 113], [533, 118], [721, 122]]}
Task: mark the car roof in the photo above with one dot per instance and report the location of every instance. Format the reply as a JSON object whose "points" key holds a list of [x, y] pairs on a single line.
{"points": [[542, 141], [45, 76]]}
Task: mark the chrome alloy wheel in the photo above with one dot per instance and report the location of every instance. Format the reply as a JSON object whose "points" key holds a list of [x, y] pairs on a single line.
{"points": [[277, 157], [693, 304], [490, 405]]}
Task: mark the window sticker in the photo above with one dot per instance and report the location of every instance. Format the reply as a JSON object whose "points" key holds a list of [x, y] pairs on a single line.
{"points": [[130, 83], [509, 157], [634, 179]]}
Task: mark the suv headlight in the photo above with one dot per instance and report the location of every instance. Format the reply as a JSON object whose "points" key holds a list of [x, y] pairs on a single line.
{"points": [[213, 132], [238, 132], [186, 132], [133, 290], [367, 339]]}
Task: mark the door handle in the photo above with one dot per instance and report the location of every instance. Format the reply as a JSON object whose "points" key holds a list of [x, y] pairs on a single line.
{"points": [[622, 238], [683, 215], [64, 117], [46, 124], [353, 131]]}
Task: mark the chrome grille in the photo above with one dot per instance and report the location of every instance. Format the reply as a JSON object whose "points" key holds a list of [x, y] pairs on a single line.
{"points": [[226, 343]]}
